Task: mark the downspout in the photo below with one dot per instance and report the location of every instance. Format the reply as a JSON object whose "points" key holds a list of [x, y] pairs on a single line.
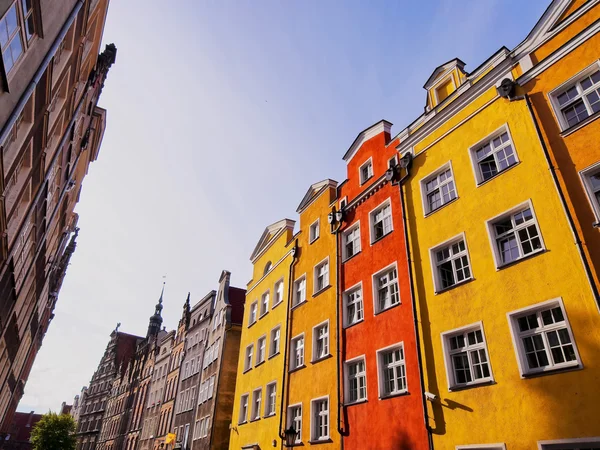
{"points": [[563, 201], [294, 253], [414, 310], [337, 333]]}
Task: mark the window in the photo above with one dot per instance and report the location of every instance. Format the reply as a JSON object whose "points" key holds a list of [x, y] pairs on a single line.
{"points": [[381, 221], [543, 338], [264, 304], [248, 359], [351, 241], [444, 90], [14, 37], [392, 371], [591, 182], [295, 420], [321, 276], [275, 339], [438, 189], [343, 203], [516, 235], [493, 155], [320, 419], [466, 357], [571, 444], [253, 308], [385, 286], [356, 381], [243, 409], [299, 290], [268, 267], [393, 161], [366, 171], [211, 387], [320, 341], [261, 350], [451, 262], [353, 305], [577, 99], [297, 352], [270, 401], [256, 399], [278, 293], [313, 232]]}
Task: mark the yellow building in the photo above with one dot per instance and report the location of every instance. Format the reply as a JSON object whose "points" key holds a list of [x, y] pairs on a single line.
{"points": [[311, 396], [257, 403], [509, 322]]}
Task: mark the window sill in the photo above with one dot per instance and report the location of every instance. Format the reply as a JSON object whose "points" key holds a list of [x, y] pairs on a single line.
{"points": [[245, 370], [274, 355], [350, 325], [310, 242], [256, 419], [523, 258], [394, 395], [357, 402], [242, 423], [297, 305], [449, 288], [441, 207], [581, 124], [251, 324], [297, 444], [387, 309], [481, 183], [319, 292], [553, 371], [322, 358], [263, 314], [295, 369], [381, 238], [362, 183], [269, 415], [259, 364], [350, 257], [321, 441], [463, 387], [276, 305]]}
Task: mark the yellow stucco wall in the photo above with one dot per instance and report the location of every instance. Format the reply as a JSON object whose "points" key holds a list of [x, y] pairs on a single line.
{"points": [[266, 429], [316, 379], [512, 410]]}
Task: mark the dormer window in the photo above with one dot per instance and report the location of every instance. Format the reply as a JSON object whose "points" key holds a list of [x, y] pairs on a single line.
{"points": [[366, 171], [444, 90]]}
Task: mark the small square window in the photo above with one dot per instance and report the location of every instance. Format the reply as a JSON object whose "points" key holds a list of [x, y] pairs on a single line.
{"points": [[493, 155], [261, 350], [320, 419], [385, 287], [343, 203], [313, 233], [451, 263], [275, 341], [393, 161], [466, 357], [366, 171], [297, 352], [321, 276], [353, 306], [256, 402], [264, 303], [295, 420], [591, 182], [351, 241], [299, 291], [320, 341], [271, 399], [253, 312], [356, 380], [381, 221], [438, 189]]}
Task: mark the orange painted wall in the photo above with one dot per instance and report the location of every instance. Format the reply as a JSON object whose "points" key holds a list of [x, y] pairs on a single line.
{"points": [[397, 422]]}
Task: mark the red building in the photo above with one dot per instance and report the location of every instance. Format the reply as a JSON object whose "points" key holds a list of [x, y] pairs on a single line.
{"points": [[19, 432], [380, 378]]}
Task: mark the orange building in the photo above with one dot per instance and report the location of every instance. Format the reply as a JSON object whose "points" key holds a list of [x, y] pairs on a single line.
{"points": [[379, 367]]}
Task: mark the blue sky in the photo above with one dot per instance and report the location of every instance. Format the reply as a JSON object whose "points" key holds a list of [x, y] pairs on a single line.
{"points": [[220, 116]]}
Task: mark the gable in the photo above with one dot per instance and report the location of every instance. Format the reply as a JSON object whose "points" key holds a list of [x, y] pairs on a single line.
{"points": [[314, 190], [574, 6], [271, 233]]}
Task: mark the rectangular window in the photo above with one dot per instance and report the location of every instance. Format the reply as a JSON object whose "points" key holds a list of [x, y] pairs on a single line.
{"points": [[578, 99], [320, 419], [466, 357], [570, 444], [270, 401], [381, 221], [385, 284], [297, 352], [12, 34], [278, 293], [211, 387], [299, 291], [313, 233], [321, 276], [256, 400], [261, 350], [243, 409], [438, 189], [351, 241], [516, 235], [452, 264], [264, 304], [356, 381], [353, 305], [295, 420], [544, 338], [248, 358], [591, 182], [320, 341], [493, 155], [253, 309], [206, 426], [366, 171], [392, 371], [275, 340]]}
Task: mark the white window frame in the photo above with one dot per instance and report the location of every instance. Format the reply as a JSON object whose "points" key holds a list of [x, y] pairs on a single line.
{"points": [[272, 341], [326, 276], [448, 362], [267, 295], [585, 175], [314, 231], [345, 296], [489, 139], [343, 202], [255, 414], [244, 419], [574, 80], [295, 301], [315, 330], [248, 356], [375, 286], [559, 444], [513, 317], [481, 447], [275, 292], [313, 422], [253, 311], [372, 214], [356, 241], [347, 395], [293, 349], [437, 281], [395, 159], [381, 367], [360, 171], [268, 412], [492, 234], [436, 173], [291, 421], [258, 359]]}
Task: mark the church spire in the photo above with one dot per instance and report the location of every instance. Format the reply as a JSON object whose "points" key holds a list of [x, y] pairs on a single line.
{"points": [[156, 319]]}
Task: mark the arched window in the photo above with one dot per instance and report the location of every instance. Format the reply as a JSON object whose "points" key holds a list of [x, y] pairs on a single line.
{"points": [[267, 267]]}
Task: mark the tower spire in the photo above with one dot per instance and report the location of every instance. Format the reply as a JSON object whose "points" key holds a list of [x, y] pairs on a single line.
{"points": [[156, 319]]}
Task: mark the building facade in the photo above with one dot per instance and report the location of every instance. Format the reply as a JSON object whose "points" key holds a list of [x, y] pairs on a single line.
{"points": [[19, 434], [50, 131]]}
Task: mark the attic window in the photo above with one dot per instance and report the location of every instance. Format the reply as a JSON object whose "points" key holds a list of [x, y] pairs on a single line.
{"points": [[444, 90], [267, 268]]}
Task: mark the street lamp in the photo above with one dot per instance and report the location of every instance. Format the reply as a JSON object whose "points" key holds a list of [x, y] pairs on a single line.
{"points": [[290, 436]]}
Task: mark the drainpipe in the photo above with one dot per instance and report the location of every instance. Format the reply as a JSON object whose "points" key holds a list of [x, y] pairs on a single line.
{"points": [[294, 252], [336, 231], [563, 201]]}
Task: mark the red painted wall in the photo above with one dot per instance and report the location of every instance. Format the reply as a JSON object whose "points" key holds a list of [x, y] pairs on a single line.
{"points": [[397, 422]]}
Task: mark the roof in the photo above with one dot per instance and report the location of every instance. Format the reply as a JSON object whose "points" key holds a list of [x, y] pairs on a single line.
{"points": [[365, 135], [237, 297], [313, 192], [270, 234], [443, 68]]}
